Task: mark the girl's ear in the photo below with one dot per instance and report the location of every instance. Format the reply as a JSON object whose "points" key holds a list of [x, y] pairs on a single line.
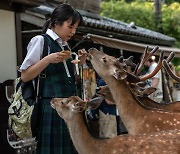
{"points": [[95, 102], [55, 22]]}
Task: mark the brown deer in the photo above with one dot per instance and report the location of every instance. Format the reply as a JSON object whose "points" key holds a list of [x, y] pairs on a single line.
{"points": [[71, 110], [142, 93], [142, 97], [136, 117]]}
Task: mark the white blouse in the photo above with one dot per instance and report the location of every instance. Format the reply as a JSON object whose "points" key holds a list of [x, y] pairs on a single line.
{"points": [[35, 49]]}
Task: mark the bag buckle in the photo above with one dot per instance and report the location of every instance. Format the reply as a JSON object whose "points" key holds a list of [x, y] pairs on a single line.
{"points": [[42, 75], [16, 111]]}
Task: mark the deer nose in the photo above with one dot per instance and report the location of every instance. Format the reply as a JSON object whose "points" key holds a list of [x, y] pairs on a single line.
{"points": [[89, 56], [90, 49]]}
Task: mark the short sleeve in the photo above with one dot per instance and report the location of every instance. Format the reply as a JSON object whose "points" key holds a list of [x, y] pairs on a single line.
{"points": [[152, 67], [34, 52]]}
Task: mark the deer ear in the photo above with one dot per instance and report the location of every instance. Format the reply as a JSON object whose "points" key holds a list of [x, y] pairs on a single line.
{"points": [[132, 78], [95, 102], [79, 106], [141, 84], [119, 75], [148, 91], [103, 90], [129, 61], [98, 88], [120, 59]]}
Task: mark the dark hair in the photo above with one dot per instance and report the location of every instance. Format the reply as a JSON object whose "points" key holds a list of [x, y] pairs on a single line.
{"points": [[60, 14]]}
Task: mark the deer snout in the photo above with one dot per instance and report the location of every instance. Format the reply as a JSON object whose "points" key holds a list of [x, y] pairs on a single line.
{"points": [[92, 51], [95, 53], [89, 57], [55, 102]]}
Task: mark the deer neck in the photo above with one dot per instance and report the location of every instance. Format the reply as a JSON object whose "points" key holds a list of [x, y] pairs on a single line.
{"points": [[127, 105], [82, 139]]}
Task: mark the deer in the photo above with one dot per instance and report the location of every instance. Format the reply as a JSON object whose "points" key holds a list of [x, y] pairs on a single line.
{"points": [[143, 98], [142, 93], [136, 117], [72, 110]]}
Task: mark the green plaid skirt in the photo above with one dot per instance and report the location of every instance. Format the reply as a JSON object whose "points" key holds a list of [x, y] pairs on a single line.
{"points": [[53, 135]]}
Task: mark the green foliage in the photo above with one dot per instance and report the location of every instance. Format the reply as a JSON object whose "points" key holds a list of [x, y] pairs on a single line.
{"points": [[171, 21], [142, 13], [176, 62], [171, 1], [177, 68]]}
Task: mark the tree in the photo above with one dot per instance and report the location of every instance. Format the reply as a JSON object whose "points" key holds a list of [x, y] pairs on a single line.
{"points": [[140, 11]]}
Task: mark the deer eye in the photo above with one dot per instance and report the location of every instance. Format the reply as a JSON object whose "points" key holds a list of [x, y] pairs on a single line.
{"points": [[104, 59], [77, 104]]}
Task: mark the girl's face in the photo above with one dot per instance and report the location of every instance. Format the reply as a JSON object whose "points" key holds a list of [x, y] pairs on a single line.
{"points": [[65, 31]]}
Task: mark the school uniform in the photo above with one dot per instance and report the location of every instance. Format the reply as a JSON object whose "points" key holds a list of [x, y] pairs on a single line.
{"points": [[53, 135]]}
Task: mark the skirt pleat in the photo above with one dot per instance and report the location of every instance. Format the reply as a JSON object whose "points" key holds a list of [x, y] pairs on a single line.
{"points": [[53, 135]]}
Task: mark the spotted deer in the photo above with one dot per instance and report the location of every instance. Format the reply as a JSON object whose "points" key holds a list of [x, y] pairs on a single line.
{"points": [[137, 88], [72, 111], [142, 97], [142, 93], [136, 117]]}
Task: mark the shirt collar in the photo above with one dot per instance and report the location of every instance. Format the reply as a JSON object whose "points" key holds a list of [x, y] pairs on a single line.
{"points": [[55, 37]]}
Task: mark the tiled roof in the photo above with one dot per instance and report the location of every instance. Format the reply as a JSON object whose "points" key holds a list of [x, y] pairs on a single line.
{"points": [[119, 27], [113, 28]]}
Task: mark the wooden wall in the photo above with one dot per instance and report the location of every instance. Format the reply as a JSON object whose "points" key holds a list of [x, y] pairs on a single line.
{"points": [[28, 2], [92, 6], [87, 5]]}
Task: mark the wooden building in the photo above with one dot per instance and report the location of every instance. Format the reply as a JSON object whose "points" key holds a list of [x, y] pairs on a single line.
{"points": [[111, 36], [23, 19], [9, 47]]}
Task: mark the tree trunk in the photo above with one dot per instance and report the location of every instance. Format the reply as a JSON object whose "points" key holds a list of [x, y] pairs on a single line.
{"points": [[157, 15]]}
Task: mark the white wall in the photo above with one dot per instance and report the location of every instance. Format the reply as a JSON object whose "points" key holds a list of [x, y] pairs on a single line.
{"points": [[7, 46], [176, 94]]}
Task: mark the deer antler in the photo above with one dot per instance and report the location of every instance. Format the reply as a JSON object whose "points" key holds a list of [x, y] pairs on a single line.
{"points": [[168, 69], [170, 57], [158, 67], [145, 57], [134, 78]]}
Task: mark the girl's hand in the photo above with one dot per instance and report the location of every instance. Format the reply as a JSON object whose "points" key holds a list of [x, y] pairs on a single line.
{"points": [[82, 56], [59, 56]]}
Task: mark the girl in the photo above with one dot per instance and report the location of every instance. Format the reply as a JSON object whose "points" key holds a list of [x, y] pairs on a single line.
{"points": [[53, 136]]}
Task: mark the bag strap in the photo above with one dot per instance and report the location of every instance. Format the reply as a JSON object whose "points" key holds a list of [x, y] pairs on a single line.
{"points": [[45, 53], [42, 76]]}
